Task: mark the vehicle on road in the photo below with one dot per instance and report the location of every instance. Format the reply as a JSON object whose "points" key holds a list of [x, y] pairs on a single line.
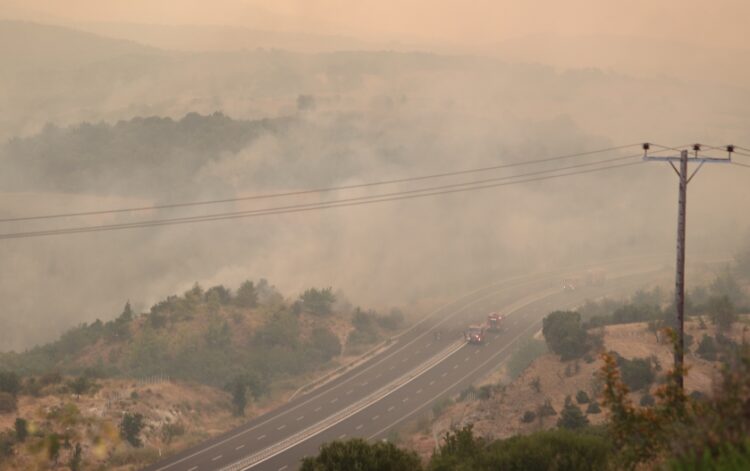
{"points": [[475, 334], [570, 284], [495, 322]]}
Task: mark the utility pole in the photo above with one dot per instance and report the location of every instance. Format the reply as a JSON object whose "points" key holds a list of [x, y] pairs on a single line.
{"points": [[679, 291]]}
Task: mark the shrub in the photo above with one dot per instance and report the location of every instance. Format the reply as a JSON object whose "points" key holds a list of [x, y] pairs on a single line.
{"points": [[130, 428], [536, 384], [582, 397], [707, 348], [637, 373], [358, 454], [559, 450], [485, 392], [565, 335], [21, 428], [170, 431], [528, 416], [593, 408], [647, 400]]}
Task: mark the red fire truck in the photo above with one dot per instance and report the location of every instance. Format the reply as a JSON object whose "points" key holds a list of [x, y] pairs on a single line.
{"points": [[475, 334], [494, 322]]}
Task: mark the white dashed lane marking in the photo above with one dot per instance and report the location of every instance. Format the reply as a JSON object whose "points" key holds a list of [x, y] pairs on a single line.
{"points": [[317, 409], [419, 391], [281, 427], [359, 427], [391, 408], [283, 468], [405, 399], [432, 382], [342, 436], [349, 391], [300, 418], [216, 458], [334, 400], [261, 437], [240, 447], [376, 417], [444, 375]]}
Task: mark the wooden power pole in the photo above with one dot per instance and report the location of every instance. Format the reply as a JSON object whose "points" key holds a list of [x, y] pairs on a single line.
{"points": [[679, 291]]}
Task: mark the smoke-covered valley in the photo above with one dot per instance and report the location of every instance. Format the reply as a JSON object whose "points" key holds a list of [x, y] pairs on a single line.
{"points": [[117, 124]]}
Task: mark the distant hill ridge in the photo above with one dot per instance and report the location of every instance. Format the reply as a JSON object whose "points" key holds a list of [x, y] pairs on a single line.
{"points": [[34, 45]]}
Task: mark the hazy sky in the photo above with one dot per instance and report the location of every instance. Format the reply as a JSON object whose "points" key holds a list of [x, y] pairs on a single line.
{"points": [[716, 23]]}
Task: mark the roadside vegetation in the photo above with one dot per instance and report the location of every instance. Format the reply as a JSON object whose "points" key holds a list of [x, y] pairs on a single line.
{"points": [[243, 345], [632, 416]]}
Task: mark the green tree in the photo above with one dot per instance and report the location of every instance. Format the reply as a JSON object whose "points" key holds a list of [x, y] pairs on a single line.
{"points": [[318, 301], [80, 385], [722, 312], [130, 428], [247, 295], [10, 382], [571, 416], [218, 294], [359, 455], [565, 334], [324, 344], [127, 313]]}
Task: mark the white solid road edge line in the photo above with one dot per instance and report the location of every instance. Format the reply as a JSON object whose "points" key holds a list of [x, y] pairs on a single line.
{"points": [[319, 427]]}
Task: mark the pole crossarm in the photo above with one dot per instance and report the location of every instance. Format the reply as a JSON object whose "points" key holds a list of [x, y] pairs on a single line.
{"points": [[717, 160]]}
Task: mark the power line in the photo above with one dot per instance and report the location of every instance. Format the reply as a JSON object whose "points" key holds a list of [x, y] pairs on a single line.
{"points": [[319, 190], [358, 201]]}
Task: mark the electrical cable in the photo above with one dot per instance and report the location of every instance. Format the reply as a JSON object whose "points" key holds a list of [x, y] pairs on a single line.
{"points": [[317, 190], [431, 191]]}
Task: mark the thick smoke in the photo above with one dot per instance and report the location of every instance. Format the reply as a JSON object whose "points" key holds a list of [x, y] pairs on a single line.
{"points": [[351, 118]]}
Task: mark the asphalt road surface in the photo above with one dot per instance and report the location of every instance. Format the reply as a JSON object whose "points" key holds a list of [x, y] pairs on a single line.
{"points": [[350, 406]]}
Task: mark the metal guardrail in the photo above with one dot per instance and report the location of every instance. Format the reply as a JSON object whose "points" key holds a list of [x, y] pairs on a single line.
{"points": [[302, 435]]}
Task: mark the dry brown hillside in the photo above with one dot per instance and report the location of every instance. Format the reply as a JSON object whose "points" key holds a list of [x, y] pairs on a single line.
{"points": [[501, 415]]}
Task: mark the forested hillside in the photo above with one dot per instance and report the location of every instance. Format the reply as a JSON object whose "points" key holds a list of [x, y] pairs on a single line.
{"points": [[214, 336]]}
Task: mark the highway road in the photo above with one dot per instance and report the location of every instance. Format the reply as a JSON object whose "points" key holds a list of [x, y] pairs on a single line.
{"points": [[400, 383]]}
